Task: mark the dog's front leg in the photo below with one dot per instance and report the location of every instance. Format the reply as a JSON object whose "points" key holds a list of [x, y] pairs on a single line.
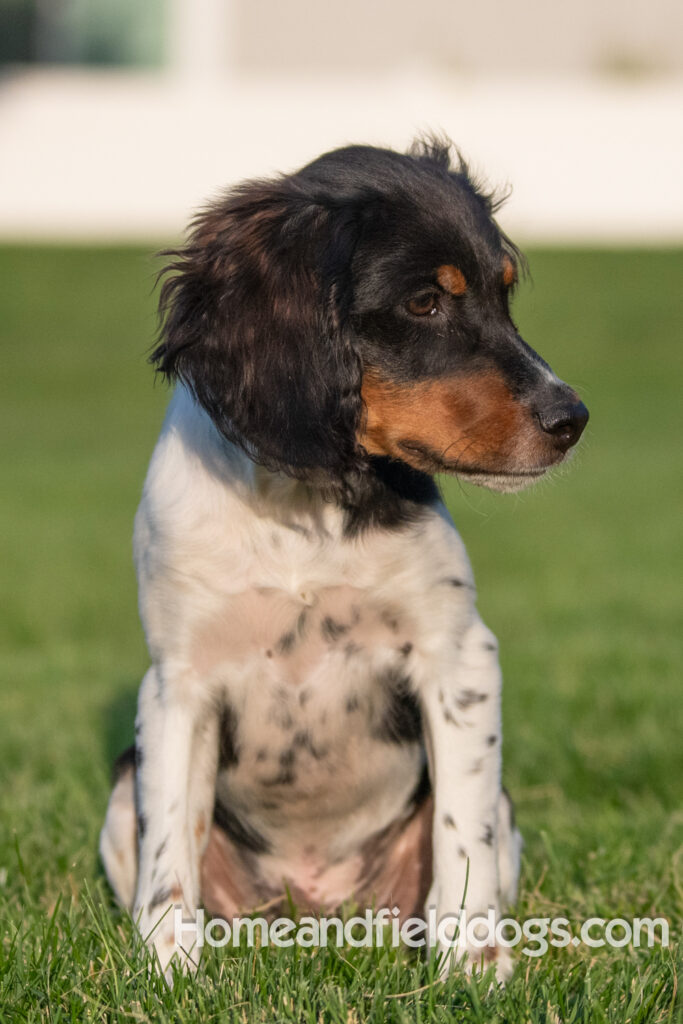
{"points": [[463, 733], [176, 748]]}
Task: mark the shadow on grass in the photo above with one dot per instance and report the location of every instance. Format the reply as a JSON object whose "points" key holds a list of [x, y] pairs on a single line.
{"points": [[118, 725]]}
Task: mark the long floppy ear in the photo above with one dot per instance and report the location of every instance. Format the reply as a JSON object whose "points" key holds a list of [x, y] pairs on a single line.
{"points": [[253, 311]]}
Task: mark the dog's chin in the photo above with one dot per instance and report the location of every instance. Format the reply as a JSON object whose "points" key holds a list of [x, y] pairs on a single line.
{"points": [[503, 483], [507, 481], [502, 479]]}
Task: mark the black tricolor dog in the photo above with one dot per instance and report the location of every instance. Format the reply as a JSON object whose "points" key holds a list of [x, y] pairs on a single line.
{"points": [[322, 714]]}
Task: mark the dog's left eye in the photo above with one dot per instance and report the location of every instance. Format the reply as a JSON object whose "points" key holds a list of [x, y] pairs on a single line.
{"points": [[426, 304]]}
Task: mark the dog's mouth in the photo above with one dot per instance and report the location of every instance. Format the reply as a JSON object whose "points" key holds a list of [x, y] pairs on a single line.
{"points": [[506, 480], [499, 481]]}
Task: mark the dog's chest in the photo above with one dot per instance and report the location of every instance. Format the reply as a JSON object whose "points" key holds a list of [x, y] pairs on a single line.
{"points": [[300, 611], [316, 672], [301, 637]]}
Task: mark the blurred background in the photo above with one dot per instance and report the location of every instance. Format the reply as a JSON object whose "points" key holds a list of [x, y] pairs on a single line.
{"points": [[118, 118]]}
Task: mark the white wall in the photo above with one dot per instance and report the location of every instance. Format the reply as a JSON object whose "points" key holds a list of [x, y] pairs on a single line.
{"points": [[121, 156], [254, 87]]}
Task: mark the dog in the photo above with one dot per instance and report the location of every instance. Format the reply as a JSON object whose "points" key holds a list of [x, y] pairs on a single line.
{"points": [[322, 718]]}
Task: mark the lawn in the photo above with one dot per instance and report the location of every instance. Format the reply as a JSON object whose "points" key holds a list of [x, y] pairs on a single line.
{"points": [[580, 579]]}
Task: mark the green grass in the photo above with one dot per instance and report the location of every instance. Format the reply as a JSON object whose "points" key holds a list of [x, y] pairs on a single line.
{"points": [[580, 579]]}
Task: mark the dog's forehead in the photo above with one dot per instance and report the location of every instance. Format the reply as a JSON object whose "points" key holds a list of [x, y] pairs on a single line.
{"points": [[419, 241], [413, 212], [439, 222]]}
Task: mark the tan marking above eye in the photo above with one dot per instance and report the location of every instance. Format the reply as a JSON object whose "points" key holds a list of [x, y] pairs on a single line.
{"points": [[451, 279], [509, 272]]}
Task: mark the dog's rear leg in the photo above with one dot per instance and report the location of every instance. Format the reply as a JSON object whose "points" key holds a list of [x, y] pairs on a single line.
{"points": [[509, 850], [118, 838]]}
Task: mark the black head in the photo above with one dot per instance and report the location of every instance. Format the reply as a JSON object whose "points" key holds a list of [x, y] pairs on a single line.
{"points": [[360, 308]]}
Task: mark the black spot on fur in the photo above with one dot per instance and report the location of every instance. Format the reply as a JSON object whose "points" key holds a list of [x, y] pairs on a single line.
{"points": [[261, 754], [279, 711], [422, 790], [453, 581], [389, 620], [228, 752], [301, 622], [449, 717], [352, 704], [462, 852], [123, 763], [466, 698], [142, 825], [448, 821], [401, 721], [488, 646], [286, 642], [491, 740], [304, 697], [351, 649], [304, 740], [285, 777], [240, 831], [487, 837], [405, 649], [161, 895], [332, 630], [511, 807]]}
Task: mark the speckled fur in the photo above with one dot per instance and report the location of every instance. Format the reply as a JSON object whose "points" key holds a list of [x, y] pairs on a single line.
{"points": [[253, 601], [322, 711]]}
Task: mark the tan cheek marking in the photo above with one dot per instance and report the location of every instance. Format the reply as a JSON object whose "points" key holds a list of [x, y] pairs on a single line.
{"points": [[451, 279], [509, 272], [473, 419]]}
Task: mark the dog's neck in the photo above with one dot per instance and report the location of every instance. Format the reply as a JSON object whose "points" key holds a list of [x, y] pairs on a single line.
{"points": [[388, 494]]}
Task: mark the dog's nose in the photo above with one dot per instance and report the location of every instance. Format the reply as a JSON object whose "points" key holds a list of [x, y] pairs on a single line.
{"points": [[564, 421]]}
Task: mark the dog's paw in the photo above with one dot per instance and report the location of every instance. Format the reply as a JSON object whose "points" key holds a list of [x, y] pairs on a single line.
{"points": [[476, 960], [170, 956], [166, 948]]}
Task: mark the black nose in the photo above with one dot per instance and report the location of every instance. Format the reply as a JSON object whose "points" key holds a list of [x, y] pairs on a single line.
{"points": [[564, 421]]}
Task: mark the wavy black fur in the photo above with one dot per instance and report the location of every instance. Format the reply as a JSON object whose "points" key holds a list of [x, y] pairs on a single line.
{"points": [[270, 310]]}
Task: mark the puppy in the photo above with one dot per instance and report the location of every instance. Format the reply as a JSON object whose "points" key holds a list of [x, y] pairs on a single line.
{"points": [[322, 712]]}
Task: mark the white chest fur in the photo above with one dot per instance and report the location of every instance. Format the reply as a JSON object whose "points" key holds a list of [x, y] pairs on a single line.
{"points": [[254, 601], [300, 680], [241, 570]]}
